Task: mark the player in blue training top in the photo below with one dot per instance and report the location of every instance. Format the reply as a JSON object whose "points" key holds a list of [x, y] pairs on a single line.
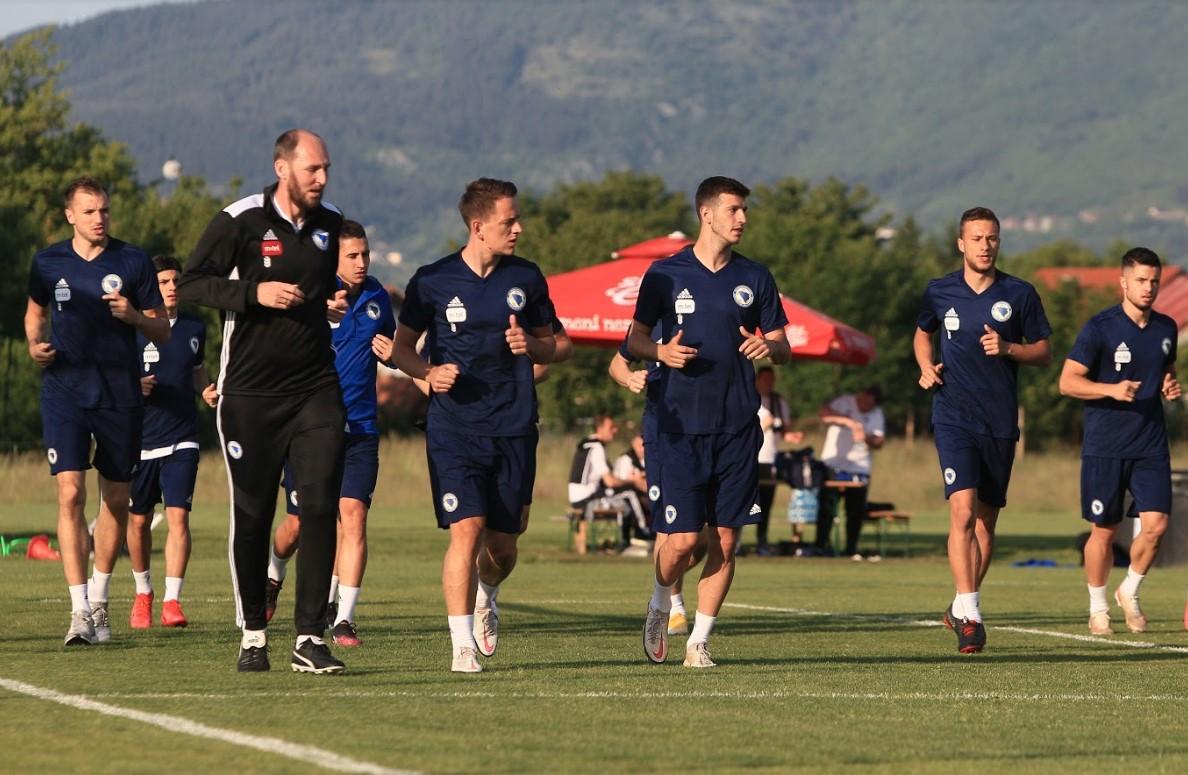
{"points": [[708, 303], [1123, 367], [171, 375], [989, 323], [97, 292], [487, 316], [361, 339], [639, 381]]}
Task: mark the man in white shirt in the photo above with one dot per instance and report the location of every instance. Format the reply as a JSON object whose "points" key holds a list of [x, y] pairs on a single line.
{"points": [[591, 482], [775, 420], [856, 426]]}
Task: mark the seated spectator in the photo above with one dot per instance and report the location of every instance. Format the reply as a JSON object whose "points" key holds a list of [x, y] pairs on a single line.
{"points": [[775, 420], [630, 467], [593, 485], [856, 426]]}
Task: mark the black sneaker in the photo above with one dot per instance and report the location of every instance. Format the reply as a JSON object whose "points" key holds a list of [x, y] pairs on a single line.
{"points": [[345, 634], [331, 615], [271, 593], [971, 636], [253, 659], [311, 657]]}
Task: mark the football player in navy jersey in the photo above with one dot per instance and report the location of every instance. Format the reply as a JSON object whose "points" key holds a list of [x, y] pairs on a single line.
{"points": [[362, 338], [1123, 367], [487, 316], [171, 376], [717, 312], [97, 292], [989, 323]]}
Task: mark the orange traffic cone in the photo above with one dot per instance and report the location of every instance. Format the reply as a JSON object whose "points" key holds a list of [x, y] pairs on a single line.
{"points": [[40, 549]]}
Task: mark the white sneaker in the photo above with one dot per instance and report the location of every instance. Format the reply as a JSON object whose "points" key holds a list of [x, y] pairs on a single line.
{"points": [[655, 635], [82, 630], [486, 630], [1099, 624], [102, 622], [466, 661], [1135, 620], [697, 655]]}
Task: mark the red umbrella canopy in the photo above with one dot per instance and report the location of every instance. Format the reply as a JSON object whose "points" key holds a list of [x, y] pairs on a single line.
{"points": [[595, 304]]}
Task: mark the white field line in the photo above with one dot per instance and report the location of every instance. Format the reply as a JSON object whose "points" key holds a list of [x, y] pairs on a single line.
{"points": [[305, 754], [1133, 644], [612, 694]]}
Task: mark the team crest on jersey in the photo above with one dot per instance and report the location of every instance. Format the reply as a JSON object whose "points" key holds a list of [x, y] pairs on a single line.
{"points": [[1166, 344], [321, 238], [52, 454], [62, 290], [455, 313], [111, 283], [373, 310], [670, 514], [235, 449], [1097, 507], [194, 345], [516, 299], [744, 296], [654, 493], [1001, 311], [950, 476], [449, 502]]}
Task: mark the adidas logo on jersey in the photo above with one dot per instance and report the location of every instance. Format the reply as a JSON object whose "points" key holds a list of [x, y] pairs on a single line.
{"points": [[455, 302], [270, 234], [685, 294], [62, 283]]}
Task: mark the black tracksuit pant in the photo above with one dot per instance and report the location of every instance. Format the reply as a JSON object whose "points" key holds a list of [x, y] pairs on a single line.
{"points": [[258, 435]]}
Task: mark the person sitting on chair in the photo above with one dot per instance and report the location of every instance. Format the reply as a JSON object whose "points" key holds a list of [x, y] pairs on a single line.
{"points": [[592, 485]]}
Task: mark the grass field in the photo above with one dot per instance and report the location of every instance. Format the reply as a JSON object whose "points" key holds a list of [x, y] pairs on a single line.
{"points": [[825, 665]]}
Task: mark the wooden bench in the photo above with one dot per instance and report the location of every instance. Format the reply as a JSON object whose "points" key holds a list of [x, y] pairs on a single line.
{"points": [[884, 517], [583, 533]]}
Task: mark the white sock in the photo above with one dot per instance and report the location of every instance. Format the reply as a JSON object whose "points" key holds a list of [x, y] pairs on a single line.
{"points": [[661, 597], [97, 587], [485, 597], [678, 603], [303, 639], [144, 585], [703, 624], [462, 631], [347, 598], [173, 585], [277, 566], [333, 589], [969, 606], [253, 639], [78, 598], [1097, 600], [1130, 585]]}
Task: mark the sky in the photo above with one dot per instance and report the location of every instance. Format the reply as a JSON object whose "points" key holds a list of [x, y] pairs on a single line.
{"points": [[20, 15]]}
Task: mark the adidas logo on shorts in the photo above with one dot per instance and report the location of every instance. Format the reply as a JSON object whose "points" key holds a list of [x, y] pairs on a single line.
{"points": [[755, 509]]}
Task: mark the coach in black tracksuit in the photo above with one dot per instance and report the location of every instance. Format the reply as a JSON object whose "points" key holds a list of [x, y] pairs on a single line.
{"points": [[268, 261]]}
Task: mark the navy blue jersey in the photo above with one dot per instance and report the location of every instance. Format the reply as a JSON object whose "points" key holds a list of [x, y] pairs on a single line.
{"points": [[651, 389], [715, 392], [980, 392], [96, 364], [369, 313], [170, 414], [1114, 348], [466, 318]]}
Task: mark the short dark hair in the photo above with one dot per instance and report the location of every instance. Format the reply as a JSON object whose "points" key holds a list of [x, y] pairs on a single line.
{"points": [[712, 188], [286, 144], [480, 197], [165, 263], [352, 230], [599, 419], [1144, 256], [875, 392], [83, 183], [977, 214]]}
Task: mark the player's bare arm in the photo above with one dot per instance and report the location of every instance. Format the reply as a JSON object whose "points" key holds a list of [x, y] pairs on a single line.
{"points": [[1075, 383], [1030, 353], [40, 350], [930, 373]]}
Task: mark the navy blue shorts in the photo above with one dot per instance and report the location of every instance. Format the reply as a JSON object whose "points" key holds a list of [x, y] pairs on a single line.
{"points": [[169, 478], [67, 430], [479, 476], [972, 461], [652, 473], [360, 470], [530, 471], [708, 479], [1105, 482]]}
